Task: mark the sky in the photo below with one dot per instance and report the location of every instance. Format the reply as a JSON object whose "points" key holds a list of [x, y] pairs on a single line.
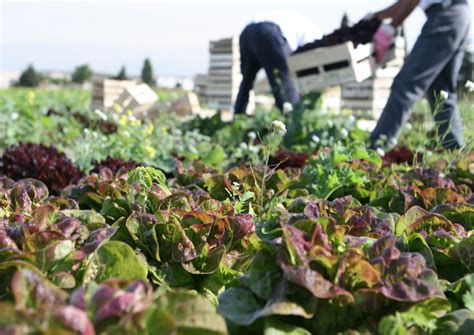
{"points": [[174, 34]]}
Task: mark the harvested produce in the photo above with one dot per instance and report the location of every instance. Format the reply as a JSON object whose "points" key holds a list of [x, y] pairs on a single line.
{"points": [[360, 33]]}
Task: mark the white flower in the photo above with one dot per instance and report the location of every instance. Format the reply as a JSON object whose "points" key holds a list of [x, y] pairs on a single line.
{"points": [[86, 131], [351, 119], [444, 94], [316, 139], [252, 135], [470, 86], [287, 108], [409, 126], [253, 149], [101, 114], [344, 133], [380, 152], [15, 116], [330, 124], [279, 127], [244, 146]]}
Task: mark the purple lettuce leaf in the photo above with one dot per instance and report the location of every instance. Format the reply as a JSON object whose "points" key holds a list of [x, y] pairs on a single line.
{"points": [[313, 281], [297, 244], [111, 300], [67, 225], [32, 291], [97, 238], [429, 178], [242, 225], [74, 319]]}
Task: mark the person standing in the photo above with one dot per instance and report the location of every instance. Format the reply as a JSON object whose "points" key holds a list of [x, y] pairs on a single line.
{"points": [[266, 43], [431, 68]]}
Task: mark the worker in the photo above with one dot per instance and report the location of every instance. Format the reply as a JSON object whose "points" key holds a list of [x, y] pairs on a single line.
{"points": [[266, 43], [431, 68]]}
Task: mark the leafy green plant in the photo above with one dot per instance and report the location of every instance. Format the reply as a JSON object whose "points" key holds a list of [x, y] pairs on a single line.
{"points": [[341, 171], [338, 243]]}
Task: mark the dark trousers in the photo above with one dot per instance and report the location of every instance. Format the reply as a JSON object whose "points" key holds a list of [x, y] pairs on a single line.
{"points": [[432, 66], [262, 45]]}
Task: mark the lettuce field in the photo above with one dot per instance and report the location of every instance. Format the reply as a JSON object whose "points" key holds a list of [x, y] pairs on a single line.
{"points": [[270, 224]]}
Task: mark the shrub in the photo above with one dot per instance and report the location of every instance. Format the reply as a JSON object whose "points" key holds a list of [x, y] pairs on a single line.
{"points": [[81, 74], [29, 78]]}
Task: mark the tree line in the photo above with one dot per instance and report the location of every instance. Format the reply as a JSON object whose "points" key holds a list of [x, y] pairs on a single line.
{"points": [[83, 73]]}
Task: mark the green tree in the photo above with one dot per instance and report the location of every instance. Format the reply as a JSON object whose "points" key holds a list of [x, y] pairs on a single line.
{"points": [[345, 21], [147, 73], [29, 77], [122, 74], [81, 74]]}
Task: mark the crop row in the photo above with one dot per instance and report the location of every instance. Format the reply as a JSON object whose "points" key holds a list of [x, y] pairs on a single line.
{"points": [[343, 244]]}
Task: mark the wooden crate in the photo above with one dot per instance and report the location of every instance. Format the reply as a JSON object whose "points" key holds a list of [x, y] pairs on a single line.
{"points": [[106, 91], [342, 64], [201, 81], [360, 107], [365, 93], [224, 73], [316, 69], [368, 98], [187, 105], [331, 99], [139, 99], [224, 76]]}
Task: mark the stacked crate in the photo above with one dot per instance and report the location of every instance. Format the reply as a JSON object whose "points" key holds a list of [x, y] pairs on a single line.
{"points": [[106, 91], [224, 76], [200, 86], [331, 99], [368, 98]]}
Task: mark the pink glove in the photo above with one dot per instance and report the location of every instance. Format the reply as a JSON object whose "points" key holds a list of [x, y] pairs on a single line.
{"points": [[383, 38]]}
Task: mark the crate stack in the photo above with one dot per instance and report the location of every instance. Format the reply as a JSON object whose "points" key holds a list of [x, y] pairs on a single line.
{"points": [[200, 86], [224, 76], [368, 98], [331, 99], [224, 73], [106, 91]]}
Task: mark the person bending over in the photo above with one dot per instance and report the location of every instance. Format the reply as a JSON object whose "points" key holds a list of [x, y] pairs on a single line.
{"points": [[266, 43]]}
